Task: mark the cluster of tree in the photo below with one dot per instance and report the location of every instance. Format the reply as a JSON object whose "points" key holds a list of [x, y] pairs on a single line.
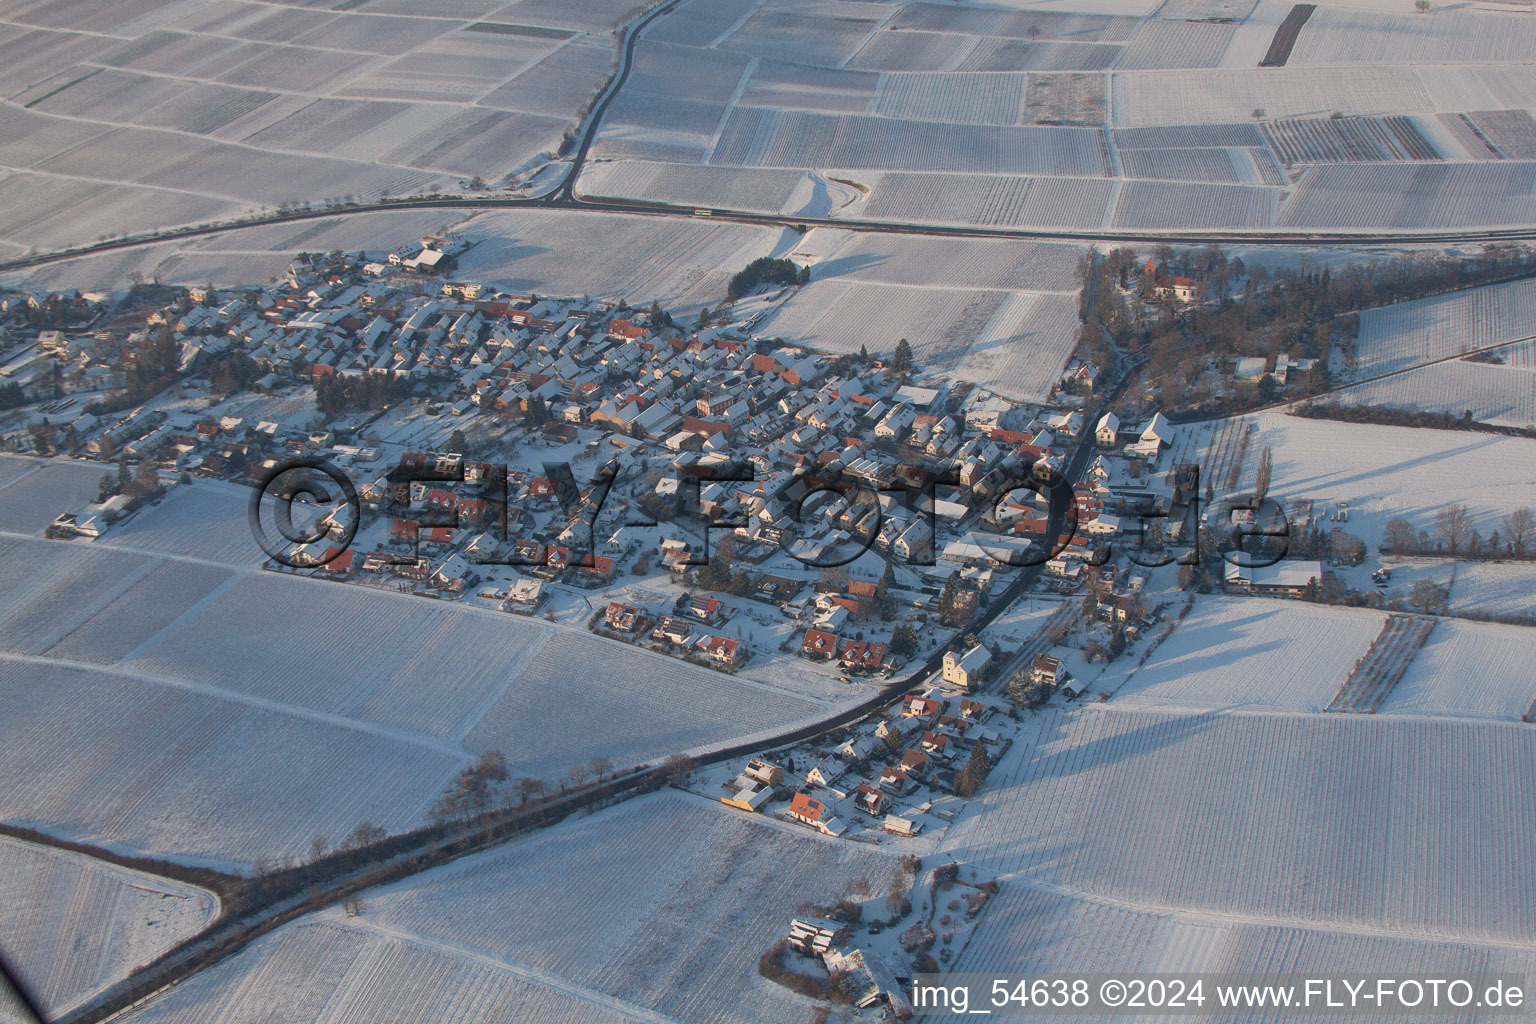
{"points": [[1300, 311], [335, 395], [1455, 535], [12, 396], [232, 372], [1024, 692], [969, 778], [765, 270], [720, 573], [475, 790], [142, 485], [953, 609], [149, 371], [1390, 416]]}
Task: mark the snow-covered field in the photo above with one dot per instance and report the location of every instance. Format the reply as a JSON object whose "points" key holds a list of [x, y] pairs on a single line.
{"points": [[685, 264], [1471, 670], [164, 696], [74, 924], [1442, 326], [967, 114], [1028, 930], [1387, 472], [1499, 588], [656, 910], [1504, 395], [1352, 822], [186, 113], [1253, 654]]}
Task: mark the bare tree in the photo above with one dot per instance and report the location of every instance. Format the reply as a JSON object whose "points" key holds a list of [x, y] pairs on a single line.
{"points": [[1454, 522], [600, 766], [679, 767], [1429, 597], [1517, 529], [319, 846], [1266, 471], [527, 789], [1399, 536]]}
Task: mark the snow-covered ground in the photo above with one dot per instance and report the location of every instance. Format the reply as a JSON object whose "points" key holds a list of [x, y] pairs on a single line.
{"points": [[194, 705], [1331, 821], [1471, 670], [74, 925], [656, 910], [1389, 472], [1253, 654]]}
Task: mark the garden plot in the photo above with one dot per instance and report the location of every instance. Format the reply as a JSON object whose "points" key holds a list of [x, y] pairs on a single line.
{"points": [[699, 22], [1064, 98], [1470, 669], [821, 32], [203, 519], [1404, 334], [30, 504], [840, 316], [559, 83], [914, 51], [757, 189], [206, 109], [1022, 350], [1409, 196], [760, 137], [1022, 55], [1026, 929], [74, 924], [1213, 165], [357, 129], [1495, 394], [992, 200], [1339, 35], [159, 769], [1224, 812], [479, 142], [138, 610], [685, 265], [595, 16], [1347, 140], [1512, 132], [670, 930], [29, 57], [1386, 472], [1180, 205], [1253, 654], [956, 98], [1177, 44], [802, 87], [1224, 96], [102, 94], [1029, 24], [959, 263], [47, 211]]}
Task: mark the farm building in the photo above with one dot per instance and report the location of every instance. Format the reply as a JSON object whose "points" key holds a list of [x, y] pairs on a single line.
{"points": [[1283, 579], [810, 811]]}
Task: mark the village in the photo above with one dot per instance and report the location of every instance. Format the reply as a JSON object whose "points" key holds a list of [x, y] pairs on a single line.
{"points": [[709, 494]]}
